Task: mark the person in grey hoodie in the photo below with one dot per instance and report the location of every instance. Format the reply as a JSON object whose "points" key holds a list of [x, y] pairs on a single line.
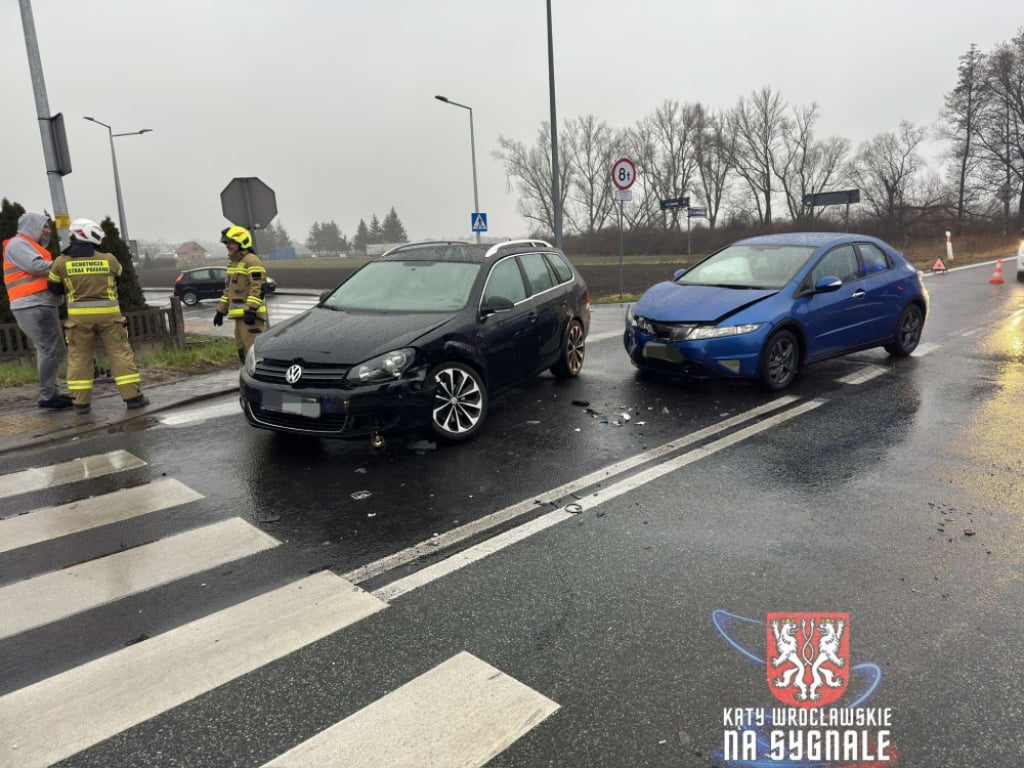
{"points": [[26, 268]]}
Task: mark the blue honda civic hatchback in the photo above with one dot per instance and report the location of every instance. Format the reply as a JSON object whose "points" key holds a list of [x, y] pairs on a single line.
{"points": [[765, 307]]}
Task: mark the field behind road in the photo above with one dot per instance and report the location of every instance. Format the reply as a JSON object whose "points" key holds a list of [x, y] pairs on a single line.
{"points": [[321, 274]]}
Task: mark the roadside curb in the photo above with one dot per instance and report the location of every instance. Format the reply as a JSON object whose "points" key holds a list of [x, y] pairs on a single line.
{"points": [[110, 415]]}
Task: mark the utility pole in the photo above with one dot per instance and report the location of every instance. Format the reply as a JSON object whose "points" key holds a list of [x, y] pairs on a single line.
{"points": [[56, 180], [556, 194]]}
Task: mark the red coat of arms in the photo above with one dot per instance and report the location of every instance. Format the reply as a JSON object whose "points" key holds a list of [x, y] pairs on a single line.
{"points": [[807, 659]]}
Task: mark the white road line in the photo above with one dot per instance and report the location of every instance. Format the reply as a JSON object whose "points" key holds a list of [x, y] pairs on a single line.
{"points": [[925, 349], [37, 478], [460, 714], [867, 373], [52, 596], [53, 522], [57, 717], [460, 560], [201, 413], [447, 539]]}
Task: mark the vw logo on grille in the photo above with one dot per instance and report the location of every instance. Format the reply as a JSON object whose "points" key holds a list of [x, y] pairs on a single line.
{"points": [[293, 374]]}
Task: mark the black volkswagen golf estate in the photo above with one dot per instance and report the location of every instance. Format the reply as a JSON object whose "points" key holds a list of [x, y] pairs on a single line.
{"points": [[420, 337]]}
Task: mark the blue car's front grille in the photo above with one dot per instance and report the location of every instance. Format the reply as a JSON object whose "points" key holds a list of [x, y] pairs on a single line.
{"points": [[664, 331], [314, 375]]}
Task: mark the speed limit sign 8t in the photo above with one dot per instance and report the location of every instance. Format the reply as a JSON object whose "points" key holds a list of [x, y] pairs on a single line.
{"points": [[623, 173]]}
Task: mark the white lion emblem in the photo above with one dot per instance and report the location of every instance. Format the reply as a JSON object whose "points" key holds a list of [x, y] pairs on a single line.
{"points": [[786, 645], [828, 647]]}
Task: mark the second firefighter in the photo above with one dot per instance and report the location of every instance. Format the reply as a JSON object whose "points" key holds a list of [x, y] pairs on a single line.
{"points": [[243, 290]]}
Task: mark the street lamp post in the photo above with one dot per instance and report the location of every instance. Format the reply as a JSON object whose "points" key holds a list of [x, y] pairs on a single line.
{"points": [[472, 149], [117, 178]]}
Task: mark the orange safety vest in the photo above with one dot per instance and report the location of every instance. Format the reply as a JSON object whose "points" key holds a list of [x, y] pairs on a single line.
{"points": [[19, 282]]}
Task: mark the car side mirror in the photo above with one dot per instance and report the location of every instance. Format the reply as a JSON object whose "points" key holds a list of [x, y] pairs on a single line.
{"points": [[828, 284], [325, 294], [495, 304], [678, 273]]}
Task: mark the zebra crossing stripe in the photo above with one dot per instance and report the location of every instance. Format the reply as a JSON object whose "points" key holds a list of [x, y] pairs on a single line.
{"points": [[38, 478], [57, 717], [460, 714], [37, 601], [54, 522]]}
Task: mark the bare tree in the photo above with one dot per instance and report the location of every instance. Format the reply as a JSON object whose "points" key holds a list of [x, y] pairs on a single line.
{"points": [[961, 123], [1002, 125], [531, 169], [592, 147], [673, 126], [805, 165], [759, 122], [884, 169], [714, 146]]}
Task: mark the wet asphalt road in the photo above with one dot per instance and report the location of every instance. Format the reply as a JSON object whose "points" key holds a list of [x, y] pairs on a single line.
{"points": [[856, 496]]}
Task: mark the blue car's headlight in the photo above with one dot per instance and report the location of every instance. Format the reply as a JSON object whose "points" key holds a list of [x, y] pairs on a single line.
{"points": [[383, 367], [720, 331]]}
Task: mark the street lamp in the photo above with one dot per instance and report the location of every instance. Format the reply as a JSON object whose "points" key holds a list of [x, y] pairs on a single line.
{"points": [[472, 149], [117, 178]]}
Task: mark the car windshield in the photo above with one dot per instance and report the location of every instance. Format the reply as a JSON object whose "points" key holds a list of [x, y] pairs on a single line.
{"points": [[407, 286], [768, 265]]}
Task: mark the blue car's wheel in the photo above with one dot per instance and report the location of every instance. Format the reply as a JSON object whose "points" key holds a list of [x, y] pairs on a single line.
{"points": [[780, 360], [908, 331]]}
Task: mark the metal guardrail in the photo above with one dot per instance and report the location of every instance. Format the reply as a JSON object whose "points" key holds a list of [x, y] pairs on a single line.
{"points": [[162, 327]]}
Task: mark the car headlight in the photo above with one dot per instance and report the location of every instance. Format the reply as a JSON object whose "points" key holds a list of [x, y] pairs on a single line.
{"points": [[720, 331], [250, 361], [383, 367]]}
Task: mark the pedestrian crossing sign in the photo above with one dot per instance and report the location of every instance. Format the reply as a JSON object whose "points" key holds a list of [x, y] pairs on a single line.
{"points": [[479, 222]]}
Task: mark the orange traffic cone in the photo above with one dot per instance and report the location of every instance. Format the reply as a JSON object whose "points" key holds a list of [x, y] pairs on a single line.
{"points": [[997, 276]]}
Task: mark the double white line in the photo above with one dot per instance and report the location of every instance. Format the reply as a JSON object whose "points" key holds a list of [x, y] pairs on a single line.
{"points": [[579, 504]]}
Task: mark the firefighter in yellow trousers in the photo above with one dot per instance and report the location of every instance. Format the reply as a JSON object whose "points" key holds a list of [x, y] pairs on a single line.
{"points": [[242, 300], [88, 278]]}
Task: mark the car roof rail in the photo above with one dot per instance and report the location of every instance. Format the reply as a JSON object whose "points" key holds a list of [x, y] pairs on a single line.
{"points": [[423, 244], [498, 246]]}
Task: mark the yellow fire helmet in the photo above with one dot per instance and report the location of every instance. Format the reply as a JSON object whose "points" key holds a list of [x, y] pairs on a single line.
{"points": [[238, 235]]}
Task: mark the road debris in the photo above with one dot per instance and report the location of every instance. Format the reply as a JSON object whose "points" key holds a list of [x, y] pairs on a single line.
{"points": [[360, 495]]}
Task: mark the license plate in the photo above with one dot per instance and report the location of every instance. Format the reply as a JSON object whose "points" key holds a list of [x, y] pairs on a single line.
{"points": [[658, 351], [283, 402]]}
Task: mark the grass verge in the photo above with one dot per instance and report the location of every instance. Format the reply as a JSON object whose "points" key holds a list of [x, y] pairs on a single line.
{"points": [[201, 355]]}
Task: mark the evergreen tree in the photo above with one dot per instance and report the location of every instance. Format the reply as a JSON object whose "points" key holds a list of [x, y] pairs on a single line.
{"points": [[128, 290], [277, 236], [9, 215], [361, 238], [394, 232], [313, 238], [376, 231]]}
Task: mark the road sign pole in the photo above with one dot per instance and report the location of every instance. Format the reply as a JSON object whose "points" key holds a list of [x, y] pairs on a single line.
{"points": [[687, 238], [620, 249]]}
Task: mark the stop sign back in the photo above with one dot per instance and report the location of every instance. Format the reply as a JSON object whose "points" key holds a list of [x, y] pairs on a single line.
{"points": [[248, 202]]}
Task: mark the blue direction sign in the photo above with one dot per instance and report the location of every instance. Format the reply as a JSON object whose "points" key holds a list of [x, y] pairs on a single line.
{"points": [[479, 222], [698, 213]]}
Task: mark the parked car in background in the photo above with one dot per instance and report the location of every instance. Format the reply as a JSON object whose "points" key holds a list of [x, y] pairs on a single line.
{"points": [[765, 307], [420, 338], [194, 285]]}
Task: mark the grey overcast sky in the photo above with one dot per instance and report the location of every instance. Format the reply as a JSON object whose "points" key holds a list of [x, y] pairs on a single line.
{"points": [[331, 102]]}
